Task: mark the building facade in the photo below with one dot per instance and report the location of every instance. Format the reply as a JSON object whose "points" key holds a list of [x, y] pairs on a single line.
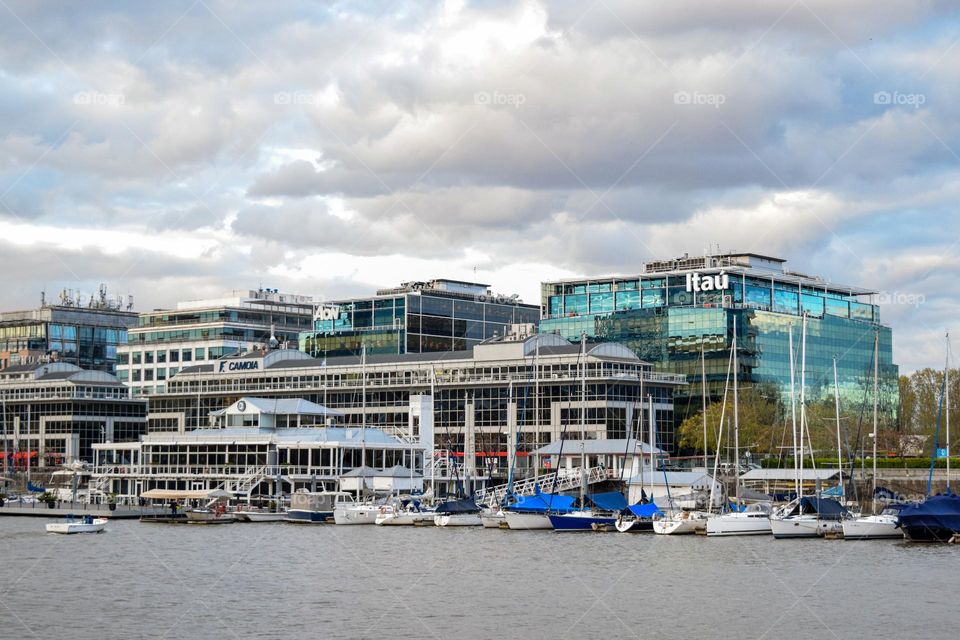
{"points": [[87, 336], [680, 315], [164, 341], [55, 412], [416, 317], [480, 403]]}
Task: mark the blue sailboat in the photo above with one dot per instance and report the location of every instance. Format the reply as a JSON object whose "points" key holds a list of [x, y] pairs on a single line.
{"points": [[607, 508]]}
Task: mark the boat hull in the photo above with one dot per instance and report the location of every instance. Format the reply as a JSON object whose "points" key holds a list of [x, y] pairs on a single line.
{"points": [[790, 527], [458, 520], [260, 516], [405, 519], [739, 524], [937, 519], [677, 526], [493, 520], [871, 528], [302, 516], [356, 515], [67, 528], [577, 522], [634, 525], [209, 517], [528, 521]]}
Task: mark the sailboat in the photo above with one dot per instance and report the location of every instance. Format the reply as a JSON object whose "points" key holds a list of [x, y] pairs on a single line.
{"points": [[357, 512], [936, 519], [755, 520], [884, 524]]}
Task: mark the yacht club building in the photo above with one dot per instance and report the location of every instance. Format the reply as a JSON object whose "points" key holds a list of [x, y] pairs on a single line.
{"points": [[523, 388]]}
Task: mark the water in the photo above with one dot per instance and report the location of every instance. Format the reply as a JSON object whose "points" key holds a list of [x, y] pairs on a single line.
{"points": [[279, 581]]}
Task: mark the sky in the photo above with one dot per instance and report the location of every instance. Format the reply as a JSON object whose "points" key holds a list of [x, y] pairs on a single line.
{"points": [[181, 150]]}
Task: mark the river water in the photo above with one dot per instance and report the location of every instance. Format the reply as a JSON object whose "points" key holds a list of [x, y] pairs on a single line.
{"points": [[281, 580]]}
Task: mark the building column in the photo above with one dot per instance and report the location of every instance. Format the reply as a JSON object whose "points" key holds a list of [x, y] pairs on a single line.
{"points": [[469, 444]]}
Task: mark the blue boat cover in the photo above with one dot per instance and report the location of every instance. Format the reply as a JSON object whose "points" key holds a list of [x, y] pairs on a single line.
{"points": [[458, 506], [940, 512], [833, 492], [827, 508], [610, 501], [543, 502], [34, 488], [646, 510]]}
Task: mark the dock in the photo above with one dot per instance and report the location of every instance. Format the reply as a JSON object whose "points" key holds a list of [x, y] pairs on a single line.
{"points": [[41, 510]]}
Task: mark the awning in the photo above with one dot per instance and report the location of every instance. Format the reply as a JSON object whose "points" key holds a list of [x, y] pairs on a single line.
{"points": [[173, 494], [609, 501]]}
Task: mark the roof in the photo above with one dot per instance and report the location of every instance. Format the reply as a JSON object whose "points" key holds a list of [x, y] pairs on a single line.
{"points": [[597, 448], [173, 494], [278, 407], [338, 436], [772, 475], [50, 371], [673, 478]]}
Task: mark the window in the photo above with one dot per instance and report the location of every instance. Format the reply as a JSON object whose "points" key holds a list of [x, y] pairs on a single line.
{"points": [[136, 357], [187, 355], [148, 357], [175, 356], [161, 356], [199, 352]]}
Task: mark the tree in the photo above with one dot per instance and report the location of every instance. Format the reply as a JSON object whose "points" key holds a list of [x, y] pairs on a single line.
{"points": [[761, 426]]}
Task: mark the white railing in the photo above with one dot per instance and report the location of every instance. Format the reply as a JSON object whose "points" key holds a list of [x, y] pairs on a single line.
{"points": [[562, 480]]}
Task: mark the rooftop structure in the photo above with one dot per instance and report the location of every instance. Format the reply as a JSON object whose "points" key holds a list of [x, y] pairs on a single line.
{"points": [[416, 317]]}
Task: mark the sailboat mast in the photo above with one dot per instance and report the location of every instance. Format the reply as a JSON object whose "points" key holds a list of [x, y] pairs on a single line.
{"points": [[946, 404], [803, 397], [876, 401], [703, 384], [836, 406], [793, 413], [363, 415], [736, 411]]}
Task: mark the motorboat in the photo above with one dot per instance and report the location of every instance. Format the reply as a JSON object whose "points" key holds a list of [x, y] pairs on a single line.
{"points": [[679, 523], [315, 508], [638, 518], [753, 521], [808, 517], [936, 519], [458, 513], [880, 526], [83, 524], [259, 515]]}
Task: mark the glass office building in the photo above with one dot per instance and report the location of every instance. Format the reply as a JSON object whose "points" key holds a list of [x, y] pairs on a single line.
{"points": [[165, 340], [416, 317], [676, 310], [86, 336]]}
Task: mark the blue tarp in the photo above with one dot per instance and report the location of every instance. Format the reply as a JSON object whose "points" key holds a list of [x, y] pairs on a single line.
{"points": [[542, 502], [35, 488], [647, 510], [458, 506], [936, 518], [610, 501], [833, 492], [827, 508]]}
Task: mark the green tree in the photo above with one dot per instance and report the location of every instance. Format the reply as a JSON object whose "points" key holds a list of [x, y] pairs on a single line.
{"points": [[761, 426]]}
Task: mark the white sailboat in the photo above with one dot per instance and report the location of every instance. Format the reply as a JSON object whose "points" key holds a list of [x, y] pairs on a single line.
{"points": [[883, 525], [357, 512]]}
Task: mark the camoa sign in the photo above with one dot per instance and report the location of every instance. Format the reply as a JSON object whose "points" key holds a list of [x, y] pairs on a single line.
{"points": [[697, 283]]}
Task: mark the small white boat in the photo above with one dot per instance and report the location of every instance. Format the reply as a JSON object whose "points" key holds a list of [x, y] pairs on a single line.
{"points": [[519, 521], [755, 521], [359, 513], [878, 527], [405, 518], [210, 516], [260, 516], [457, 520], [85, 524], [680, 523], [808, 517]]}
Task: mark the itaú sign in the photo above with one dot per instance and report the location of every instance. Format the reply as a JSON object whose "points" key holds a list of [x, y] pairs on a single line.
{"points": [[697, 283], [239, 366]]}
